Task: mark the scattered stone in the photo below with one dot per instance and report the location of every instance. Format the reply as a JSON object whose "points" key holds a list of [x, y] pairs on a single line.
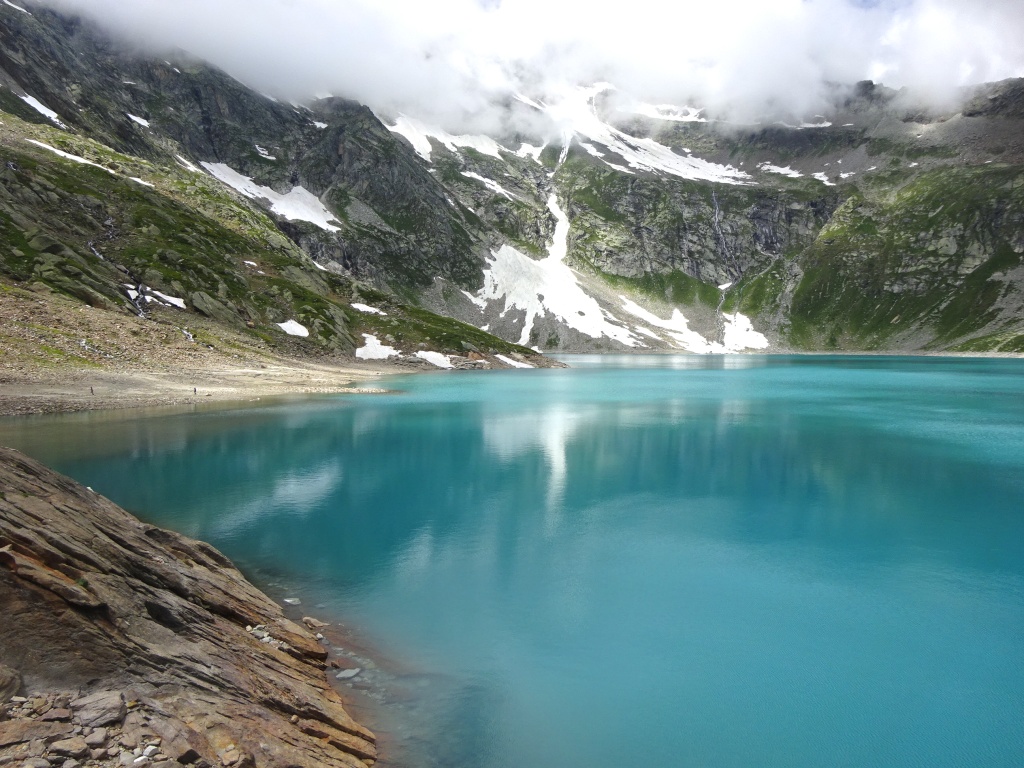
{"points": [[18, 699], [348, 674], [294, 719], [312, 623], [97, 754], [230, 757], [103, 708], [36, 762], [73, 747], [70, 764], [151, 750]]}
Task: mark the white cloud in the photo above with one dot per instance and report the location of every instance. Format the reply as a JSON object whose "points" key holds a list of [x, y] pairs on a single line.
{"points": [[449, 60]]}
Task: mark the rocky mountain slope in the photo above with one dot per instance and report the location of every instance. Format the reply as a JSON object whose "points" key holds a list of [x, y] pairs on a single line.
{"points": [[125, 644], [882, 225]]}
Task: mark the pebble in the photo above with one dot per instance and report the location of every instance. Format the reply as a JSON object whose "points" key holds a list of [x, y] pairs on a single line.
{"points": [[151, 750]]}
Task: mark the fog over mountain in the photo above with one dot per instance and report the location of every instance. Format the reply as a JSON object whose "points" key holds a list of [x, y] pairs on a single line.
{"points": [[449, 60]]}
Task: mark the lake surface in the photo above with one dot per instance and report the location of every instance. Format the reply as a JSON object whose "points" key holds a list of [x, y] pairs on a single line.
{"points": [[716, 562]]}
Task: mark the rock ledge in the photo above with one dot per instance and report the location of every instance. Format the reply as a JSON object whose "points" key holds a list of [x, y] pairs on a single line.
{"points": [[125, 644]]}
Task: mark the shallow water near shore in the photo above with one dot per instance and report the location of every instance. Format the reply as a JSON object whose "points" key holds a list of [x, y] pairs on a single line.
{"points": [[660, 561]]}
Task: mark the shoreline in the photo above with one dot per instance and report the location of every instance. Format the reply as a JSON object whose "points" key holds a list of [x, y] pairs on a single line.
{"points": [[51, 391]]}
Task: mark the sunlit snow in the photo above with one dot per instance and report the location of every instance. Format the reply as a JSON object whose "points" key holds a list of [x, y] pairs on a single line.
{"points": [[16, 7], [374, 350], [435, 358], [140, 120], [294, 328], [490, 184], [319, 125], [264, 153], [419, 135], [368, 309], [143, 182], [823, 179], [546, 286], [740, 334], [68, 156], [513, 363], [298, 205], [41, 108]]}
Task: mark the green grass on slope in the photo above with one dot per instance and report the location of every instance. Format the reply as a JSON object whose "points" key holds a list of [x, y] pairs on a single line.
{"points": [[923, 257]]}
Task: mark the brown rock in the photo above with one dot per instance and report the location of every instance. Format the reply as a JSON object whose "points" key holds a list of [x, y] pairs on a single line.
{"points": [[18, 731], [162, 617], [56, 715], [312, 623], [73, 747], [97, 738]]}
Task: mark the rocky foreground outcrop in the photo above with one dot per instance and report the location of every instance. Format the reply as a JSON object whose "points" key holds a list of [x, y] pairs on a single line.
{"points": [[125, 644]]}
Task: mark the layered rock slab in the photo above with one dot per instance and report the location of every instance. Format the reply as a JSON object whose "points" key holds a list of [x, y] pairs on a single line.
{"points": [[148, 630]]}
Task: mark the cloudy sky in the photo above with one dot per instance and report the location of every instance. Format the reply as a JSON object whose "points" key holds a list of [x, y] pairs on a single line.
{"points": [[446, 60]]}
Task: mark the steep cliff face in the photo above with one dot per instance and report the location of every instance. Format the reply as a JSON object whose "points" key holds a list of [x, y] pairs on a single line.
{"points": [[119, 636], [885, 224]]}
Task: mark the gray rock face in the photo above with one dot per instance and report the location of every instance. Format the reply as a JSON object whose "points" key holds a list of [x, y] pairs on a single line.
{"points": [[10, 683], [98, 600]]}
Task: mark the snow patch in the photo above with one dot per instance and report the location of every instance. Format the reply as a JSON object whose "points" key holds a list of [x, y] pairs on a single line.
{"points": [[847, 175], [490, 184], [823, 179], [172, 300], [783, 170], [143, 182], [513, 363], [298, 205], [725, 286], [374, 350], [251, 263], [546, 286], [435, 358], [187, 164], [41, 108], [140, 120], [264, 153], [528, 150], [577, 116], [368, 309], [740, 334], [419, 135], [294, 328], [68, 156], [15, 7], [319, 125], [669, 112]]}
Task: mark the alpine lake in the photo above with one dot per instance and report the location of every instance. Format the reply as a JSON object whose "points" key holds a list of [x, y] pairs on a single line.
{"points": [[659, 561]]}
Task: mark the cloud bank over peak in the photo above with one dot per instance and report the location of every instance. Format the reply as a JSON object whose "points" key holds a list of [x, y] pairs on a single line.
{"points": [[449, 61]]}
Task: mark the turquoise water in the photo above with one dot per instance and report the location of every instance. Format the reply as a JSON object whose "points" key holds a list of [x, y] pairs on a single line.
{"points": [[642, 561]]}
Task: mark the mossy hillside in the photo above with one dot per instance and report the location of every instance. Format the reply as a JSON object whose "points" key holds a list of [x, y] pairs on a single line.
{"points": [[922, 257], [672, 287]]}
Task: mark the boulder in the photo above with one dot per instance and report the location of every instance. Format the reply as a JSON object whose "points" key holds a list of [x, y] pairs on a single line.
{"points": [[73, 747], [103, 708]]}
